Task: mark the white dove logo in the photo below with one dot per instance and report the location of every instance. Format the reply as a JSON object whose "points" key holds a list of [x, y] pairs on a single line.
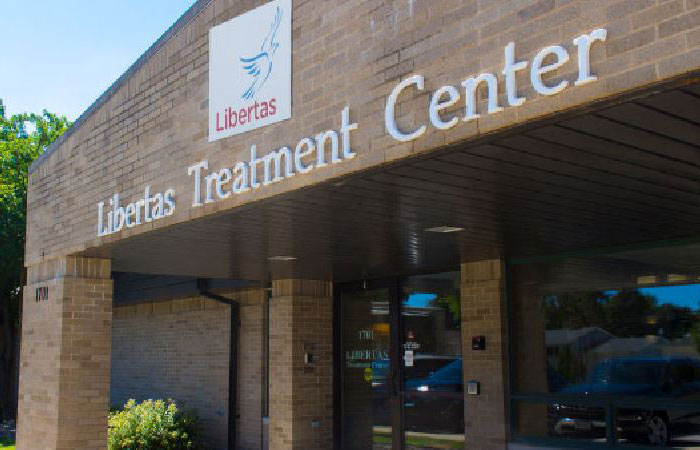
{"points": [[259, 66]]}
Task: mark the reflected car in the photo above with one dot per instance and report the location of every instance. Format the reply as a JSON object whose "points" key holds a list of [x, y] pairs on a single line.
{"points": [[448, 378], [672, 378], [381, 406], [433, 399], [435, 403]]}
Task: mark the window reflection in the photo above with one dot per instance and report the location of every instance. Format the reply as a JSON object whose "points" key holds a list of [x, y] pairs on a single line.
{"points": [[433, 399], [596, 341], [623, 330]]}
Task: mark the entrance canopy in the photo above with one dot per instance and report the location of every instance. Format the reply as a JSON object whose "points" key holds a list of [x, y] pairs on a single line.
{"points": [[624, 172]]}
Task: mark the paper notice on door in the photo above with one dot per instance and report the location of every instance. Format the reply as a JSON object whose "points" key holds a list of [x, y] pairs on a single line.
{"points": [[408, 358]]}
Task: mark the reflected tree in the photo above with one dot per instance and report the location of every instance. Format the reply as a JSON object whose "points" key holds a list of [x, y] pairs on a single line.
{"points": [[570, 366], [623, 313], [574, 310], [628, 313], [695, 334], [453, 304]]}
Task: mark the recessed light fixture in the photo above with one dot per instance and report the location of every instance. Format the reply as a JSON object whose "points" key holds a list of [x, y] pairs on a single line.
{"points": [[282, 258], [444, 229]]}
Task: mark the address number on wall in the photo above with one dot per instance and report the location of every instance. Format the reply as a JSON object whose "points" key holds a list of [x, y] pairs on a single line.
{"points": [[42, 294]]}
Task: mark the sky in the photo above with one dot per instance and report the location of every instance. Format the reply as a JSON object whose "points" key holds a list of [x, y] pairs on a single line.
{"points": [[62, 55], [420, 300], [687, 295], [683, 295]]}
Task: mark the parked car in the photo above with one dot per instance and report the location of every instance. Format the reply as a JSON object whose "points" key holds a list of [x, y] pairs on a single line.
{"points": [[435, 403], [660, 378], [433, 398]]}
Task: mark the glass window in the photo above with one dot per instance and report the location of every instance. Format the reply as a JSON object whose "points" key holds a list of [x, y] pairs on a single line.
{"points": [[649, 427], [571, 421], [621, 331]]}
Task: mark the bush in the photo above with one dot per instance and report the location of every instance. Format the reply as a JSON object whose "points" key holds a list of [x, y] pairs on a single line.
{"points": [[152, 424]]}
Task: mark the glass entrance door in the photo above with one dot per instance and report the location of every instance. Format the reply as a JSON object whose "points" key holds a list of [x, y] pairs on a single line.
{"points": [[401, 375], [433, 397], [367, 394]]}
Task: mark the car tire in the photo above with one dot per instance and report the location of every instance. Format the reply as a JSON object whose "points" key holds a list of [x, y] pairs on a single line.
{"points": [[658, 432]]}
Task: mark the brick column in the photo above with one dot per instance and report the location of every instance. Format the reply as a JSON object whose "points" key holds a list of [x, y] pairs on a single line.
{"points": [[65, 357], [301, 395], [483, 306]]}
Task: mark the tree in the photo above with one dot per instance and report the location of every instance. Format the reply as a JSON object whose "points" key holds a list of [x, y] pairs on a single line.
{"points": [[23, 137], [574, 310], [624, 313], [628, 312]]}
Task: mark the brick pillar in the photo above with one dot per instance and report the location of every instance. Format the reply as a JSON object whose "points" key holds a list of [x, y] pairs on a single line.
{"points": [[65, 357], [301, 395], [483, 306]]}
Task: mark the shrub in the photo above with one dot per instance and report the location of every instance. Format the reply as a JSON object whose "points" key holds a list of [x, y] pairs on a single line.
{"points": [[152, 424]]}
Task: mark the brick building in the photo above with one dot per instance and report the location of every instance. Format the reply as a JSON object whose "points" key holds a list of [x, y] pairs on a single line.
{"points": [[362, 224]]}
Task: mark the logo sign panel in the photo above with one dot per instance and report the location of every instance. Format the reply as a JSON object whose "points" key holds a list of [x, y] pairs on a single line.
{"points": [[250, 70]]}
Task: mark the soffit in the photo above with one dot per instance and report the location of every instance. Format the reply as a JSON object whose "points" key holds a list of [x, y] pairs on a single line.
{"points": [[625, 173]]}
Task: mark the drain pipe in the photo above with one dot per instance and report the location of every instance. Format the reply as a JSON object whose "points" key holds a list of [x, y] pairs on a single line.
{"points": [[203, 288]]}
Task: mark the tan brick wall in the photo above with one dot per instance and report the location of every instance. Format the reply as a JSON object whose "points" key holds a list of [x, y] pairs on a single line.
{"points": [[176, 349], [301, 320], [180, 349], [64, 361], [344, 52], [483, 313]]}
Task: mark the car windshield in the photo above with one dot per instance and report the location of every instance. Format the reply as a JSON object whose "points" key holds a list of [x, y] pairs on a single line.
{"points": [[628, 372]]}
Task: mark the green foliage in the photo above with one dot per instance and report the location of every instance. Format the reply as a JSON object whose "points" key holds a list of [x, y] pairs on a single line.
{"points": [[626, 313], [454, 306], [695, 334], [23, 137], [452, 302], [5, 442], [152, 425], [570, 366]]}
